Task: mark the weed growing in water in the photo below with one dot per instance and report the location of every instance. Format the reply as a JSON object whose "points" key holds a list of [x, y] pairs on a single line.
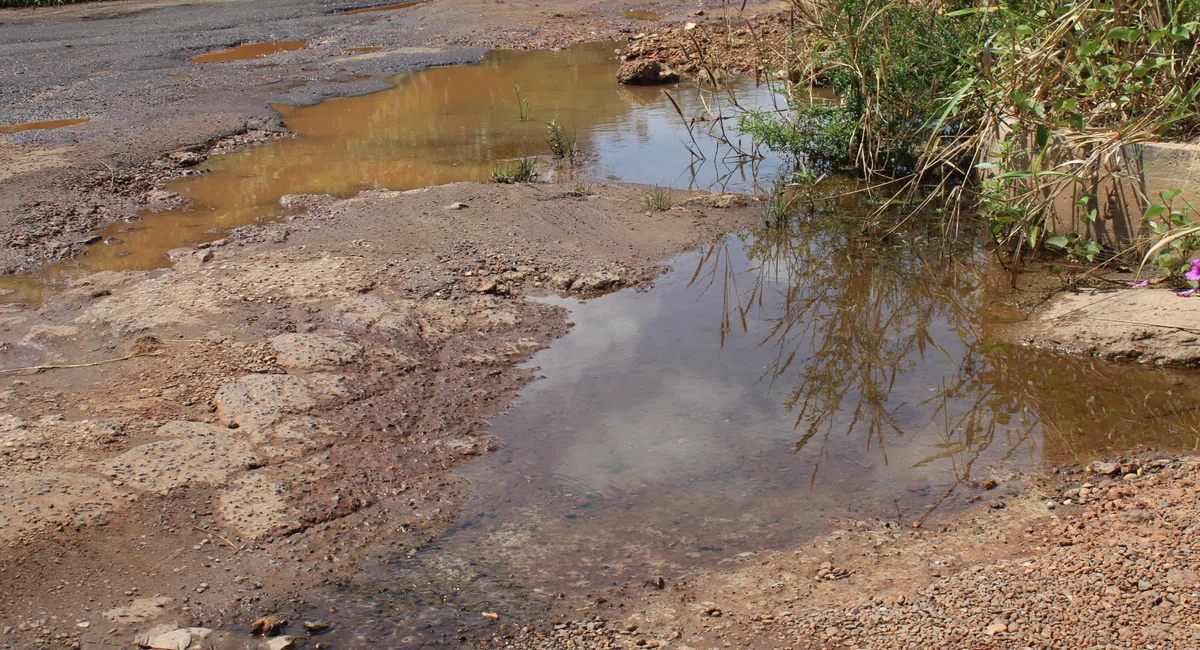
{"points": [[522, 104], [561, 147], [523, 170], [658, 199], [779, 204], [1001, 108]]}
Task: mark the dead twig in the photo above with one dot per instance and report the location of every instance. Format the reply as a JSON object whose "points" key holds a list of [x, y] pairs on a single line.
{"points": [[37, 369], [220, 537]]}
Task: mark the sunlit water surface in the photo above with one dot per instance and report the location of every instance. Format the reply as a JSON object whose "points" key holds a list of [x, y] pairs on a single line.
{"points": [[761, 390], [438, 126]]}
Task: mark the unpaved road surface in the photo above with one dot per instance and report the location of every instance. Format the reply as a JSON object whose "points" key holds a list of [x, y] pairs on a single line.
{"points": [[235, 429], [125, 66], [1083, 560]]}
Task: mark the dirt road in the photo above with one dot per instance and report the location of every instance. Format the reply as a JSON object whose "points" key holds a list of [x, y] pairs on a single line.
{"points": [[124, 66], [231, 433]]}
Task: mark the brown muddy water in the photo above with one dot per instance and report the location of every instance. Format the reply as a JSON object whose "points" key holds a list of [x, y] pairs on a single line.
{"points": [[640, 15], [248, 51], [389, 7], [759, 391], [45, 124], [436, 126]]}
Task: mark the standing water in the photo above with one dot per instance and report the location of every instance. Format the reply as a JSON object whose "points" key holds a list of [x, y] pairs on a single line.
{"points": [[438, 126], [761, 389]]}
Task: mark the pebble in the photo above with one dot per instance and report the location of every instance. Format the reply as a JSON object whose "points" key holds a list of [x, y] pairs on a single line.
{"points": [[1116, 572]]}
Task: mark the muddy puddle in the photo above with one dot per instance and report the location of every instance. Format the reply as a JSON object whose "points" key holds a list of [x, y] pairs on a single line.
{"points": [[387, 7], [640, 15], [758, 391], [438, 126], [248, 51], [43, 125]]}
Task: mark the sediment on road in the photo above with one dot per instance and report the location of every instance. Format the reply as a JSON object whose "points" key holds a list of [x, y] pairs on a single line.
{"points": [[1082, 559], [209, 443]]}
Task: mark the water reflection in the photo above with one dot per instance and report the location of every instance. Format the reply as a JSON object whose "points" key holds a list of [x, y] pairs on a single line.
{"points": [[438, 126], [763, 387], [883, 344]]}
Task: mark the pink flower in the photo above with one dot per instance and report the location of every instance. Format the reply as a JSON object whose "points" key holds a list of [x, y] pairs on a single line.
{"points": [[1193, 274], [1139, 285], [1186, 294]]}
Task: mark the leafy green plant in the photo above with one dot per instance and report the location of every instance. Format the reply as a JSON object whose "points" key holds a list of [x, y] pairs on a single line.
{"points": [[658, 199], [1002, 107], [522, 104], [1178, 235], [523, 170]]}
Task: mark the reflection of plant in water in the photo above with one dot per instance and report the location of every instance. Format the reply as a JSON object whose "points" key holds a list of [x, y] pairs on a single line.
{"points": [[854, 323], [849, 317]]}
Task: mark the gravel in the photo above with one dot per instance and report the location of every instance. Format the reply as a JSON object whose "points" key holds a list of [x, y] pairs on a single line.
{"points": [[1113, 568]]}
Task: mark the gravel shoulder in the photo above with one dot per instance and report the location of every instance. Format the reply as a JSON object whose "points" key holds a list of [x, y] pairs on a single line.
{"points": [[1076, 560], [212, 442]]}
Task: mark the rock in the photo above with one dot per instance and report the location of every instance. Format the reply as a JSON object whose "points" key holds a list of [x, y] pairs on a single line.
{"points": [[260, 400], [283, 643], [458, 205], [562, 281], [1105, 468], [599, 281], [257, 508], [185, 158], [485, 285], [313, 351], [645, 73], [39, 333], [371, 311], [1183, 578], [94, 239], [180, 254], [159, 196], [193, 452], [317, 626], [996, 628], [720, 201], [305, 201], [267, 625], [179, 639]]}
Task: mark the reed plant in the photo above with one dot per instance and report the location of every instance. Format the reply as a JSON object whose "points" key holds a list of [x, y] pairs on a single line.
{"points": [[997, 107]]}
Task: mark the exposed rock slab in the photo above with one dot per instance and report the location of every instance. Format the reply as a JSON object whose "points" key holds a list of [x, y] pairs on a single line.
{"points": [[308, 351], [207, 455], [34, 502], [255, 506], [1146, 325]]}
